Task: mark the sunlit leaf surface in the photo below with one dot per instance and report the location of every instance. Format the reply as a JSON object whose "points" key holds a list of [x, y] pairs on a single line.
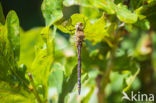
{"points": [[52, 11]]}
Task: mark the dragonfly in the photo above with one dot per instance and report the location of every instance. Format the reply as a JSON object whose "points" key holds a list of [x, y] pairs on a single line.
{"points": [[79, 34], [80, 37]]}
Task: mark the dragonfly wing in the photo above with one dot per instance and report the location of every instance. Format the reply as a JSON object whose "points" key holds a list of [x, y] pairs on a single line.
{"points": [[72, 40]]}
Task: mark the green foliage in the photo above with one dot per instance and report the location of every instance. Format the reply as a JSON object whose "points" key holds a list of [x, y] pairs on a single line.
{"points": [[40, 65], [125, 15], [52, 11], [13, 80]]}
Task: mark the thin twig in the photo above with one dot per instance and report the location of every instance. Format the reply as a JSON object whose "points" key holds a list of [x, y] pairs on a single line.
{"points": [[34, 88]]}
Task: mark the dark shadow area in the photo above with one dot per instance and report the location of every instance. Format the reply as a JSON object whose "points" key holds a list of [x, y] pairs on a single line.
{"points": [[28, 11]]}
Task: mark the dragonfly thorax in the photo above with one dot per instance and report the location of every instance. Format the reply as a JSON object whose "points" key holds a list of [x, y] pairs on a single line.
{"points": [[79, 37], [79, 26]]}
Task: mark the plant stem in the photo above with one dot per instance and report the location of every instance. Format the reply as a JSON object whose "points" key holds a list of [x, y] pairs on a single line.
{"points": [[105, 78], [34, 91], [110, 64]]}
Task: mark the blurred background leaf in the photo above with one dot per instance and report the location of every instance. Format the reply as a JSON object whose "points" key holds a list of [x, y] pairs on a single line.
{"points": [[52, 11]]}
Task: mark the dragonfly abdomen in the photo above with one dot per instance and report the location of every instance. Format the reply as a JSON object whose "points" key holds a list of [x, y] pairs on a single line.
{"points": [[79, 40], [79, 68]]}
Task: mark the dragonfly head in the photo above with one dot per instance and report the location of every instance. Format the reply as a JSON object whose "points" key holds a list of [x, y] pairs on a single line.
{"points": [[79, 26]]}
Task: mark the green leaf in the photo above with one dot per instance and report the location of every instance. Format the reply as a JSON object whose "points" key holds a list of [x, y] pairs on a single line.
{"points": [[13, 31], [96, 32], [91, 13], [29, 40], [2, 18], [52, 11], [125, 15], [75, 18]]}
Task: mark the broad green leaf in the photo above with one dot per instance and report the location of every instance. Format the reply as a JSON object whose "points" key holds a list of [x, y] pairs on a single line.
{"points": [[29, 40], [96, 32], [13, 31], [75, 18], [92, 13], [2, 18], [52, 11], [125, 15]]}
